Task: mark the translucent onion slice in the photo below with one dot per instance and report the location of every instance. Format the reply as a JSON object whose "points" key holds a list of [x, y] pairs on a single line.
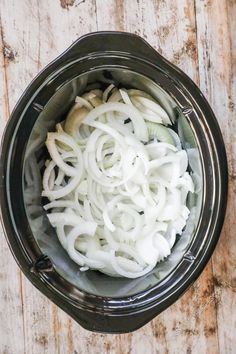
{"points": [[57, 158], [140, 128], [155, 107]]}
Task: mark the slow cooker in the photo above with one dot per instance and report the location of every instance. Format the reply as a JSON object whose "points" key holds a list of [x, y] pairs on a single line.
{"points": [[96, 301]]}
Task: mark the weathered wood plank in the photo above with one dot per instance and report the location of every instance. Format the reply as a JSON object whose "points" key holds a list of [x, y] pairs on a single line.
{"points": [[21, 48], [168, 27], [191, 322], [73, 19], [11, 305], [217, 63]]}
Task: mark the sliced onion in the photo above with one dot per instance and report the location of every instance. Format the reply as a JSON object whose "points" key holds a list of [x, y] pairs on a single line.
{"points": [[115, 202], [56, 157], [140, 128], [155, 107], [82, 102], [106, 92]]}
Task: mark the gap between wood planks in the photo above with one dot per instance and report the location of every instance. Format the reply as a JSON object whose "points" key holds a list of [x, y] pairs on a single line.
{"points": [[6, 54]]}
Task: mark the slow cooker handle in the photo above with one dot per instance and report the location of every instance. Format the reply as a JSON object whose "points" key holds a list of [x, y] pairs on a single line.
{"points": [[112, 41], [115, 324]]}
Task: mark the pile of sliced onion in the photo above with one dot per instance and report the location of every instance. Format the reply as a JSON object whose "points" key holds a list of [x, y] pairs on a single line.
{"points": [[116, 182]]}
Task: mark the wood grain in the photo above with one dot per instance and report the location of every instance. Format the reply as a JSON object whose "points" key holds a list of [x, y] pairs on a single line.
{"points": [[199, 37], [11, 302], [217, 61]]}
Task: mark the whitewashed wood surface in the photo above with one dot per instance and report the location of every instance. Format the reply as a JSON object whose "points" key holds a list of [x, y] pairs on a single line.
{"points": [[200, 37]]}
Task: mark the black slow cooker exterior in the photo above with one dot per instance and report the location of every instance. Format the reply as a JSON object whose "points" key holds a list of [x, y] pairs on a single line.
{"points": [[91, 52]]}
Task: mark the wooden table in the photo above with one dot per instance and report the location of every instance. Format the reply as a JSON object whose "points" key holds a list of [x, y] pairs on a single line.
{"points": [[199, 37]]}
